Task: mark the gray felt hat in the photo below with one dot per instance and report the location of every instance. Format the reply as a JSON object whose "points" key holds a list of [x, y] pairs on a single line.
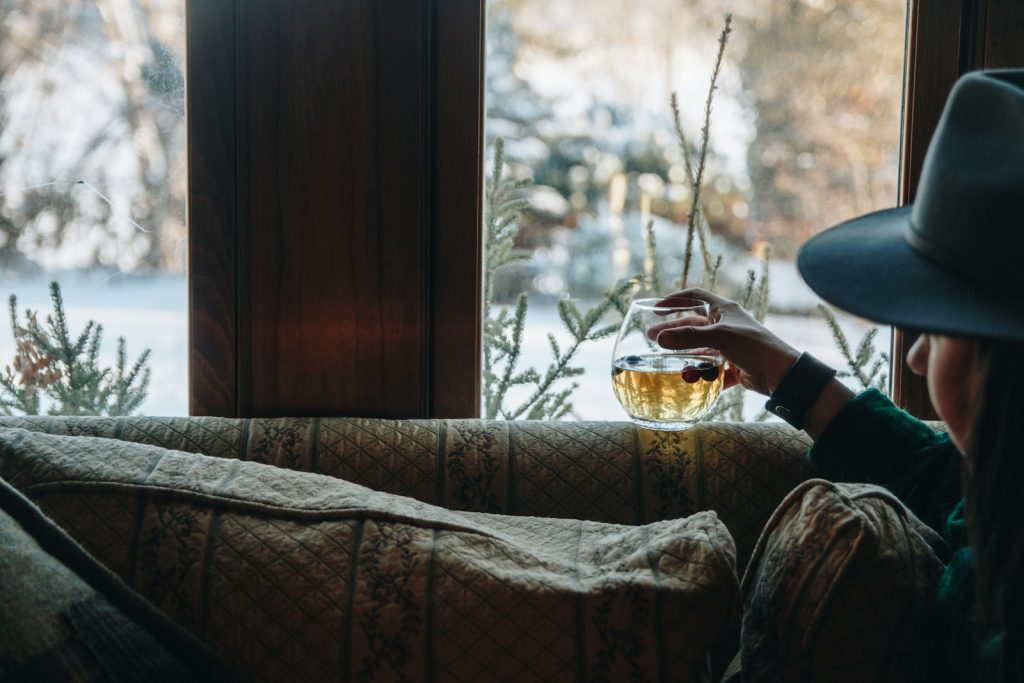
{"points": [[953, 262]]}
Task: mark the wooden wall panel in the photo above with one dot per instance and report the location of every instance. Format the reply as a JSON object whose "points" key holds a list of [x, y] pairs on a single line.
{"points": [[340, 265]]}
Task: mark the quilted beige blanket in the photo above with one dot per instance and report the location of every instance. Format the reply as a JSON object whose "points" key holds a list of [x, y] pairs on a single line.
{"points": [[298, 576]]}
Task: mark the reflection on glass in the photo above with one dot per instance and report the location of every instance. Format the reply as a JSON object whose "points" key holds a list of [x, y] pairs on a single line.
{"points": [[804, 134], [92, 180]]}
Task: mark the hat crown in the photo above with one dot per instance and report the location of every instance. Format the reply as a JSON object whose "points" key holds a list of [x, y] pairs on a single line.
{"points": [[969, 212]]}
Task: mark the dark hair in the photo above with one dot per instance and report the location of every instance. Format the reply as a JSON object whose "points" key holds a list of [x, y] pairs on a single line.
{"points": [[994, 487]]}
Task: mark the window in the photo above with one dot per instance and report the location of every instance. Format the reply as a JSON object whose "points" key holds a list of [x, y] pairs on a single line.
{"points": [[92, 180], [805, 133], [336, 274]]}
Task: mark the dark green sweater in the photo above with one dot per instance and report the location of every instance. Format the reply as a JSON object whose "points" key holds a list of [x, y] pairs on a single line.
{"points": [[873, 441]]}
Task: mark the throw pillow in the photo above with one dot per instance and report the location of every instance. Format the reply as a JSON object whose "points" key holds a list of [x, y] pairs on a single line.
{"points": [[66, 618], [295, 576], [841, 587]]}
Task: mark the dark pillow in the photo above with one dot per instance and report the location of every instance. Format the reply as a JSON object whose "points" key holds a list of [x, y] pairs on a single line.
{"points": [[66, 618]]}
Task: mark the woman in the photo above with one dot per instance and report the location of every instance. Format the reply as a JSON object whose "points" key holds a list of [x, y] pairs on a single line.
{"points": [[951, 268]]}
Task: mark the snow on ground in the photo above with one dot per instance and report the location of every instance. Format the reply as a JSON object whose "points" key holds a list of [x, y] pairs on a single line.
{"points": [[152, 313]]}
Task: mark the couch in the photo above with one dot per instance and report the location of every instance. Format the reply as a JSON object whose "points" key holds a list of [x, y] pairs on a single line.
{"points": [[366, 549]]}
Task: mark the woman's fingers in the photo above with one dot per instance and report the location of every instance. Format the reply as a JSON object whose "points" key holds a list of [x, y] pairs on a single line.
{"points": [[691, 294], [690, 337], [685, 321]]}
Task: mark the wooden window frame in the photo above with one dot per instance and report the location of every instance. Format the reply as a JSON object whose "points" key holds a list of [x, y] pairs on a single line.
{"points": [[267, 308]]}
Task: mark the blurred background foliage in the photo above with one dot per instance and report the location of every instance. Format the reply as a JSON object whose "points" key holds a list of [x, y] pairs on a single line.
{"points": [[93, 91], [806, 128]]}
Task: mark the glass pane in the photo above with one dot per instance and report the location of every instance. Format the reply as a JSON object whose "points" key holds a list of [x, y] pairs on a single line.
{"points": [[804, 133], [92, 196]]}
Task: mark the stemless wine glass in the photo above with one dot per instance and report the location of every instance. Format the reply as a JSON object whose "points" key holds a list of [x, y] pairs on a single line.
{"points": [[662, 388]]}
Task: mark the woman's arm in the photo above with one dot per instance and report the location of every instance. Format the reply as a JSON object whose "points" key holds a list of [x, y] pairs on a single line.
{"points": [[863, 438]]}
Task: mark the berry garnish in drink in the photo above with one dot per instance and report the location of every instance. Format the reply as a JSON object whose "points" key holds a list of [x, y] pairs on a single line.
{"points": [[704, 371], [708, 371]]}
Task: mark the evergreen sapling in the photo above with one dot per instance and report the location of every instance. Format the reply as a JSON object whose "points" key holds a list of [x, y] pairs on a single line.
{"points": [[50, 361], [549, 395]]}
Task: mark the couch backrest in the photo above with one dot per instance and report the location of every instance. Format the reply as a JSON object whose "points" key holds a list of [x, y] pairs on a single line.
{"points": [[601, 471]]}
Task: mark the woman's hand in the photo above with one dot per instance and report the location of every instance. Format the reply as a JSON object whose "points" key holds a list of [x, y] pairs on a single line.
{"points": [[758, 359]]}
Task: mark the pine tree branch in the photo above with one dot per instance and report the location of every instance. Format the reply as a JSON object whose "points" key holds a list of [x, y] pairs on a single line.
{"points": [[705, 134], [20, 395], [713, 279], [857, 362], [69, 372], [763, 286], [514, 349], [748, 289], [684, 145], [651, 276], [583, 328]]}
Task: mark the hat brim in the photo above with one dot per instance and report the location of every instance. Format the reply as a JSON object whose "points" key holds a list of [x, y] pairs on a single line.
{"points": [[866, 267]]}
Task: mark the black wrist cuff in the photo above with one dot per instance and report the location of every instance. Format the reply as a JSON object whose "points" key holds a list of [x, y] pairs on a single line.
{"points": [[799, 389]]}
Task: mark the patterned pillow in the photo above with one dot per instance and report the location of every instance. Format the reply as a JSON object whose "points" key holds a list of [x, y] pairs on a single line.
{"points": [[295, 576], [66, 618], [841, 587]]}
